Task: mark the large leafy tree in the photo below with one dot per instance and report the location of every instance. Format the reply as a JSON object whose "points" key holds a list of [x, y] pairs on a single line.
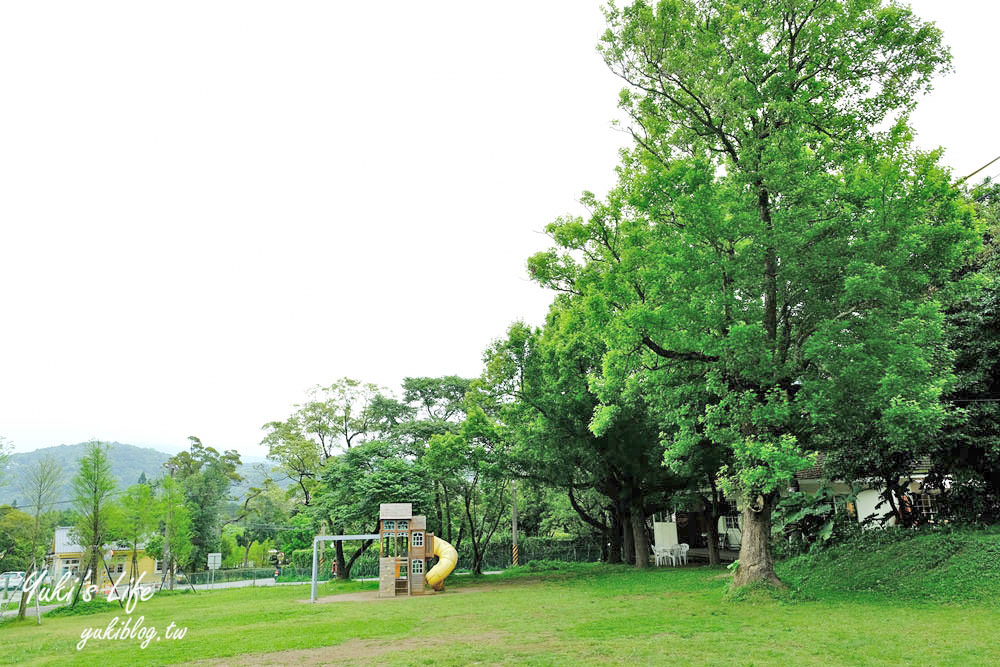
{"points": [[331, 422], [472, 461], [767, 271], [206, 477], [540, 383], [967, 460], [358, 480], [433, 406]]}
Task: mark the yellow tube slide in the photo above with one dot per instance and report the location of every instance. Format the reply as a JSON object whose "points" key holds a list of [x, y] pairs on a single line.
{"points": [[447, 560]]}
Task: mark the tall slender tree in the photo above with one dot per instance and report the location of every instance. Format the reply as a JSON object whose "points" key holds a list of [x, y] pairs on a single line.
{"points": [[40, 485], [93, 488], [137, 519]]}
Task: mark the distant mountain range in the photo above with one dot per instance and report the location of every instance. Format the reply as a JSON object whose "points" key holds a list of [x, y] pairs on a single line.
{"points": [[128, 463]]}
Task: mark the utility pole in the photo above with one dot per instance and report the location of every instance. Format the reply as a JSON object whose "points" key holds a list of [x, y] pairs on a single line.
{"points": [[167, 558], [513, 527]]}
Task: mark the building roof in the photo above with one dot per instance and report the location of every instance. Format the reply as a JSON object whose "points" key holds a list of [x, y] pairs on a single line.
{"points": [[395, 511], [418, 522], [921, 467], [65, 542]]}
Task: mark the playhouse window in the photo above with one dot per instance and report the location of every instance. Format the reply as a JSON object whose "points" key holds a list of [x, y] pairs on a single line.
{"points": [[402, 524], [388, 525], [418, 539], [925, 505], [418, 566]]}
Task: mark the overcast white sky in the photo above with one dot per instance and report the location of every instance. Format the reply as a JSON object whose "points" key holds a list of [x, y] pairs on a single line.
{"points": [[208, 207]]}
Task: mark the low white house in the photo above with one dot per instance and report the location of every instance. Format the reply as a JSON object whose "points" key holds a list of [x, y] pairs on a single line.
{"points": [[690, 528]]}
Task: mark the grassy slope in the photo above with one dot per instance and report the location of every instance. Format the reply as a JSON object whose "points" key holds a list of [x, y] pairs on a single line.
{"points": [[960, 566], [588, 614]]}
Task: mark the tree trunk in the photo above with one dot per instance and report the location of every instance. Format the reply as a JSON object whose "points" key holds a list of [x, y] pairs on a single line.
{"points": [[615, 538], [639, 539], [346, 573], [341, 564], [22, 607], [437, 508], [756, 561], [713, 536], [246, 555], [447, 515], [711, 514], [628, 544]]}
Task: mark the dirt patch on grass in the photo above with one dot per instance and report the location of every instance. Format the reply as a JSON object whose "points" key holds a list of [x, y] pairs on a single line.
{"points": [[353, 650]]}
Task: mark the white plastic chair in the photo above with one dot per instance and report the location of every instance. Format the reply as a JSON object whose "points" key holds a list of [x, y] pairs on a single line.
{"points": [[663, 555], [682, 554]]}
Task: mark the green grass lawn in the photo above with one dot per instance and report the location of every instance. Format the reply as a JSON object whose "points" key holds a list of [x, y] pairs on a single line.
{"points": [[583, 614]]}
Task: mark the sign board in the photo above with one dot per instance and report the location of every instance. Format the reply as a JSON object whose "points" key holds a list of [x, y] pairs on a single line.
{"points": [[214, 561]]}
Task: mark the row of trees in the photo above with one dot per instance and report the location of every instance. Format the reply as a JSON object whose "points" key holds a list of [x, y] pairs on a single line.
{"points": [[779, 272]]}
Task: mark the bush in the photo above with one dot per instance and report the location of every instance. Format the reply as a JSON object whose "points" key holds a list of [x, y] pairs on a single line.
{"points": [[84, 608]]}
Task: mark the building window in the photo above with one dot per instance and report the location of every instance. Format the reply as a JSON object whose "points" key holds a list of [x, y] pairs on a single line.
{"points": [[732, 522], [418, 540], [118, 568], [158, 566], [71, 565], [402, 525], [418, 566], [388, 525]]}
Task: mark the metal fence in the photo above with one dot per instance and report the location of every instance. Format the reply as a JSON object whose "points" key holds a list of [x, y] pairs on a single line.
{"points": [[224, 576], [496, 556]]}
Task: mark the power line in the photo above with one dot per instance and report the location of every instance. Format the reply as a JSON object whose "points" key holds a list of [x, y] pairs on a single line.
{"points": [[962, 180]]}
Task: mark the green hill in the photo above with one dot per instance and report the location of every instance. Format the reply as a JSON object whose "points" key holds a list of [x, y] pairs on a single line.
{"points": [[918, 565], [128, 462]]}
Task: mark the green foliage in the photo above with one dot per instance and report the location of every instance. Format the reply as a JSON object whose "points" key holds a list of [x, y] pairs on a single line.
{"points": [[967, 459], [804, 521], [137, 516], [301, 558], [176, 521], [473, 462], [300, 537], [16, 528]]}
